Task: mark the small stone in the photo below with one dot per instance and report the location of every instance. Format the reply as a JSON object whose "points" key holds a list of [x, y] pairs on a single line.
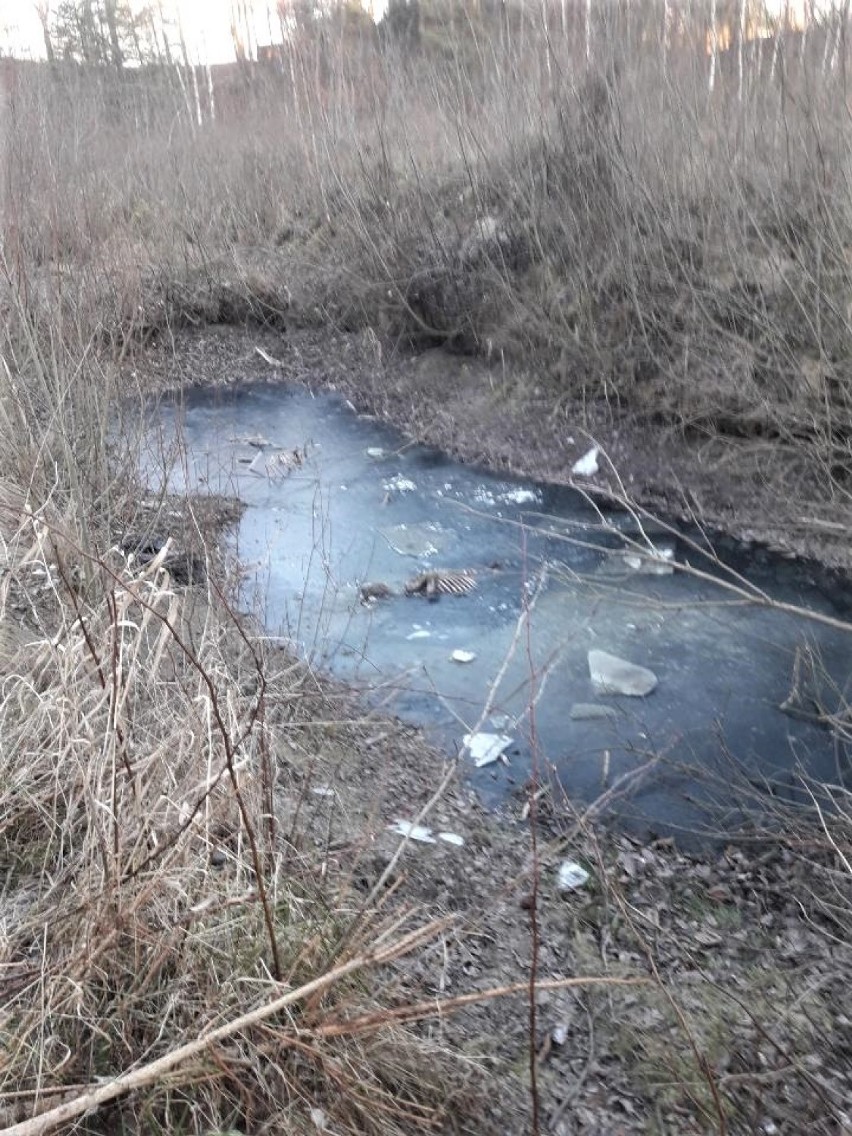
{"points": [[374, 590]]}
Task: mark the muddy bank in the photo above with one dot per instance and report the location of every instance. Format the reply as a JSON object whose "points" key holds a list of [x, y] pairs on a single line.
{"points": [[736, 966], [760, 490]]}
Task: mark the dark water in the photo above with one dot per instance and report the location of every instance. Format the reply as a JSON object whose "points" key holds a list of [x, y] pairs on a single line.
{"points": [[365, 505]]}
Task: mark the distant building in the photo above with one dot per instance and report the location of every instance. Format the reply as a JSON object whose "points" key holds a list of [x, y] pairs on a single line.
{"points": [[270, 54]]}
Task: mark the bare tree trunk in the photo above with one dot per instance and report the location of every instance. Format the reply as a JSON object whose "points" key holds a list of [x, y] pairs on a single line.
{"points": [[835, 40], [185, 94], [193, 118], [665, 37], [236, 34], [826, 44], [85, 25], [832, 40], [780, 34], [241, 31], [137, 44], [287, 44], [271, 33], [588, 31], [741, 30], [546, 31], [249, 32], [714, 45], [211, 99], [112, 28], [199, 117], [807, 17], [43, 12], [167, 51]]}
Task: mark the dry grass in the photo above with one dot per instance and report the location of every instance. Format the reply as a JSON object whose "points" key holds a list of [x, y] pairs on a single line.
{"points": [[157, 893], [681, 255], [159, 888]]}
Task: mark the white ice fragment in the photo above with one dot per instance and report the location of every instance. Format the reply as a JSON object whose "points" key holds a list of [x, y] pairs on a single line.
{"points": [[612, 675], [420, 633], [519, 496], [258, 461], [451, 838], [399, 484], [322, 791], [485, 748], [587, 464], [376, 453], [460, 656], [571, 876], [658, 561], [413, 831]]}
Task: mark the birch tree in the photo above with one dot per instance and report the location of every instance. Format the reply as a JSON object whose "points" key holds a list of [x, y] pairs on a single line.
{"points": [[42, 10]]}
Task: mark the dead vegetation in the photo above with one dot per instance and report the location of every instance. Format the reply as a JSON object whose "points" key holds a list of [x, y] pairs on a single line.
{"points": [[177, 907], [173, 912]]}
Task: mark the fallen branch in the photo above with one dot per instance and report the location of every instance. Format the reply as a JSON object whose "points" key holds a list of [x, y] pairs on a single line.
{"points": [[149, 1074], [437, 1008]]}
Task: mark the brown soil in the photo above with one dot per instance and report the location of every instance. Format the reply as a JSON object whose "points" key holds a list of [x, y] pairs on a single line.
{"points": [[738, 1024], [730, 963]]}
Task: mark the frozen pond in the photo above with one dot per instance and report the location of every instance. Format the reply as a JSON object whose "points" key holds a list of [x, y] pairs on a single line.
{"points": [[336, 501]]}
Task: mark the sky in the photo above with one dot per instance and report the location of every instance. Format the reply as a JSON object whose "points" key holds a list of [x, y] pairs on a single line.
{"points": [[206, 24]]}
